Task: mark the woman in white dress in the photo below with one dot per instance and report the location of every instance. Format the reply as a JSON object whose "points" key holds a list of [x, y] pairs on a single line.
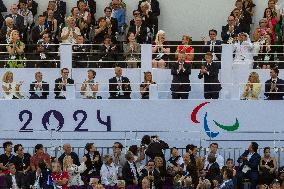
{"points": [[74, 171], [11, 89], [89, 88]]}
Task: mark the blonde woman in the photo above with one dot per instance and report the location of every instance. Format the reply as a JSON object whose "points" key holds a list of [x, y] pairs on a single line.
{"points": [[11, 89], [15, 49], [186, 48], [252, 88], [144, 87], [160, 50], [74, 171], [70, 33]]}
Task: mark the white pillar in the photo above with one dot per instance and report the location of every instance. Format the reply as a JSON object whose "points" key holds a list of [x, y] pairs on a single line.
{"points": [[153, 92], [146, 59], [65, 55], [227, 72]]}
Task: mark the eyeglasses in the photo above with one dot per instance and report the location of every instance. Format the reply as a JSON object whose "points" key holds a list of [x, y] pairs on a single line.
{"points": [[65, 72]]}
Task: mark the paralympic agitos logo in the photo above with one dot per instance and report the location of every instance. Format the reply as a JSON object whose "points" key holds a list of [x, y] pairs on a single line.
{"points": [[207, 130]]}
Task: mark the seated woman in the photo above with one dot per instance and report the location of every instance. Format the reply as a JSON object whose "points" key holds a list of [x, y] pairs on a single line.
{"points": [[89, 88], [186, 48], [74, 171], [144, 87], [252, 88], [268, 166], [15, 50], [266, 53], [51, 25], [60, 178], [132, 51], [160, 51], [11, 89]]}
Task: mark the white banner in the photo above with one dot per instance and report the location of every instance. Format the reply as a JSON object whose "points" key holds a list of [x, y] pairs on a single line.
{"points": [[178, 122]]}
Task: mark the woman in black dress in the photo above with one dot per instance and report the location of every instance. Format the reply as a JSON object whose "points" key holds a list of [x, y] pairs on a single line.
{"points": [[268, 167]]}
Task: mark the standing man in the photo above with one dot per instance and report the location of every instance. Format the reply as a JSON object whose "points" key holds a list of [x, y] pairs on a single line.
{"points": [[274, 87], [180, 84], [213, 45], [60, 84], [119, 86], [210, 72], [249, 161], [39, 89]]}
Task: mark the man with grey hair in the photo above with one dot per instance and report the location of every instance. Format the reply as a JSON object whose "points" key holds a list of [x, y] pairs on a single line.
{"points": [[68, 152], [6, 30], [18, 20], [129, 170], [39, 89]]}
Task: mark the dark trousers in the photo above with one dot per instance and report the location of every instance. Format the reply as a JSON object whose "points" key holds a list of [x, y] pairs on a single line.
{"points": [[60, 97], [120, 97], [252, 176], [180, 95], [211, 95], [35, 96]]}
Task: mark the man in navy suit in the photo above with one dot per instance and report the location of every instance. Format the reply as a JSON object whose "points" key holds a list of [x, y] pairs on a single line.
{"points": [[60, 84], [180, 84], [230, 31], [274, 87], [119, 86], [249, 161], [213, 45], [39, 89], [210, 72], [129, 170]]}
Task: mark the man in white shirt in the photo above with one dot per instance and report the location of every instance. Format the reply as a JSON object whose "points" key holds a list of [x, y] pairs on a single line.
{"points": [[219, 158]]}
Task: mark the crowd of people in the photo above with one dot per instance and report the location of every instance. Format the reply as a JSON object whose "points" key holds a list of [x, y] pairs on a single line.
{"points": [[143, 166], [116, 41]]}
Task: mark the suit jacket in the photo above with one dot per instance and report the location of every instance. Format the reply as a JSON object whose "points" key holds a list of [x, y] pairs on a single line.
{"points": [[45, 89], [215, 48], [228, 185], [225, 36], [127, 173], [19, 22], [142, 36], [181, 77], [158, 183], [245, 21], [213, 172], [113, 86], [36, 34], [274, 96], [114, 27], [95, 167], [33, 8], [19, 180], [3, 33], [59, 80], [213, 70], [155, 7], [60, 13], [252, 163], [92, 6]]}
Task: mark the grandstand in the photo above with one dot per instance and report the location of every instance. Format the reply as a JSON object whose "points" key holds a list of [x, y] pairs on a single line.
{"points": [[195, 85]]}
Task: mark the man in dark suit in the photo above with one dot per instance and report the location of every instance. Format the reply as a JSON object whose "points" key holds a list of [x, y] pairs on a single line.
{"points": [[2, 9], [155, 6], [249, 161], [213, 45], [243, 19], [39, 89], [274, 87], [6, 30], [111, 22], [139, 30], [93, 163], [32, 6], [18, 20], [129, 170], [230, 31], [45, 51], [60, 84], [39, 30], [212, 169], [152, 174], [119, 86], [227, 179], [210, 72], [60, 11], [80, 53], [13, 179], [180, 83]]}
